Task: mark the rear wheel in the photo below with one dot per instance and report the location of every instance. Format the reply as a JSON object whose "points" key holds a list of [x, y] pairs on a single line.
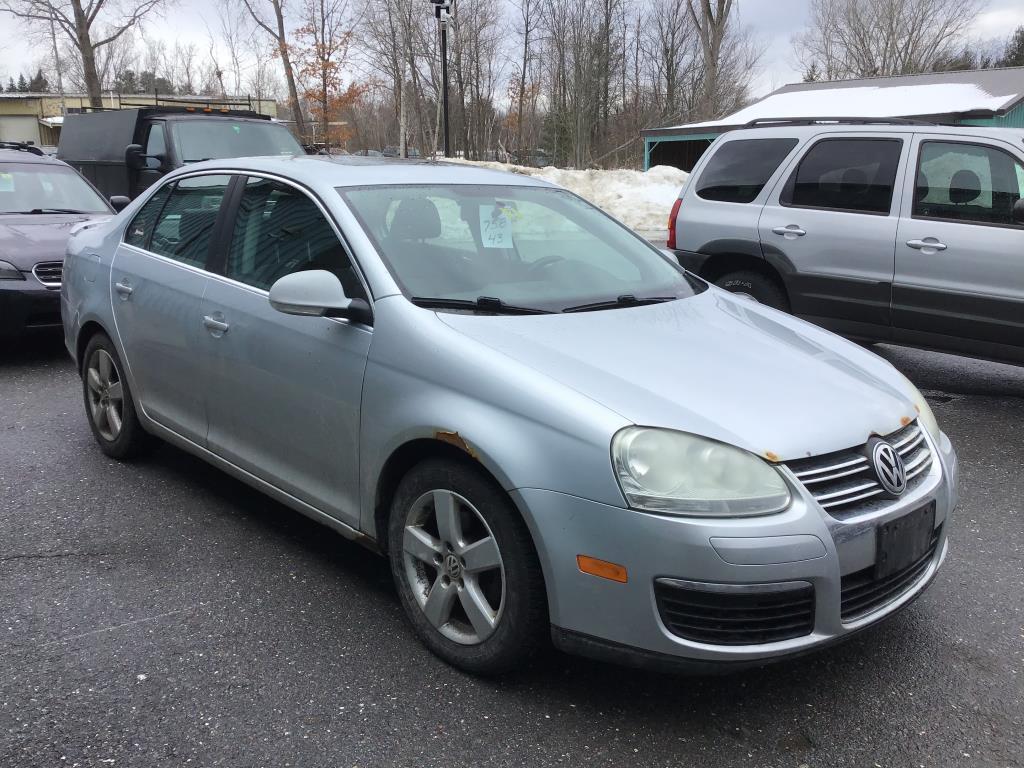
{"points": [[465, 568], [756, 286], [108, 401]]}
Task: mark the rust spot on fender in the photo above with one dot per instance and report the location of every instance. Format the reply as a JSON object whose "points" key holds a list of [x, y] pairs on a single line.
{"points": [[454, 438], [772, 456], [906, 420]]}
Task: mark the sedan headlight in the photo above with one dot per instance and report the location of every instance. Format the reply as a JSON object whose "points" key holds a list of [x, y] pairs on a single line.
{"points": [[664, 471], [924, 411], [10, 272]]}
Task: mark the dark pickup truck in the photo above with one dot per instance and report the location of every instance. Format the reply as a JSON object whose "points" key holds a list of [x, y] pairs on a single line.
{"points": [[123, 151]]}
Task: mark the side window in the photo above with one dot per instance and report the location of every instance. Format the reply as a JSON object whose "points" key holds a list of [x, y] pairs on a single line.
{"points": [[184, 227], [280, 230], [156, 144], [855, 175], [967, 182], [141, 228], [738, 171]]}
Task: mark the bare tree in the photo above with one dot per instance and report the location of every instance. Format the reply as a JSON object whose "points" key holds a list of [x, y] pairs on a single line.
{"points": [[90, 26], [277, 31], [865, 38]]}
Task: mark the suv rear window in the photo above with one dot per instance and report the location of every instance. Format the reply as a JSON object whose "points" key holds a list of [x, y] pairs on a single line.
{"points": [[738, 171], [854, 175]]}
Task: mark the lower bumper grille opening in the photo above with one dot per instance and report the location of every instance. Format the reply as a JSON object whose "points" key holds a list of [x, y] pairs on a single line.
{"points": [[862, 593], [736, 618]]}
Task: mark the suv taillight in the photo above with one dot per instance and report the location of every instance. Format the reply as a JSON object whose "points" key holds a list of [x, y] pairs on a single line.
{"points": [[671, 242]]}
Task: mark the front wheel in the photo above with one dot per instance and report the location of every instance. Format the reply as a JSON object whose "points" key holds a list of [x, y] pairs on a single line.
{"points": [[108, 401], [754, 285], [465, 568]]}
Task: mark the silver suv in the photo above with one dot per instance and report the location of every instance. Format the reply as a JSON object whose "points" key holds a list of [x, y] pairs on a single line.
{"points": [[894, 231]]}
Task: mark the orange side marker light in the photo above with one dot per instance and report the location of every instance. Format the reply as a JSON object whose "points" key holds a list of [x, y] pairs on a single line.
{"points": [[602, 568]]}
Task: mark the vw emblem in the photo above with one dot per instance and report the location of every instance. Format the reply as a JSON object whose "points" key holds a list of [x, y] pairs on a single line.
{"points": [[889, 468], [452, 567]]}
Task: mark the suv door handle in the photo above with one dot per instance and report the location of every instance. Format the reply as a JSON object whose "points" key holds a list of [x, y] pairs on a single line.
{"points": [[217, 327], [124, 288], [928, 244], [790, 231]]}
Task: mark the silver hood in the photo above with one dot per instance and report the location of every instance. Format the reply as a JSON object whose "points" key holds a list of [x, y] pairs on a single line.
{"points": [[714, 365], [27, 239]]}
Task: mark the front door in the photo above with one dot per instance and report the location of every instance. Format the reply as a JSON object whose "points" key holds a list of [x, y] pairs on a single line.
{"points": [[959, 256], [284, 391], [158, 278], [831, 224]]}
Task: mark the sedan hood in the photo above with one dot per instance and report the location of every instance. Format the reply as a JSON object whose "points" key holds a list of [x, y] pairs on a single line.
{"points": [[26, 239], [713, 365]]}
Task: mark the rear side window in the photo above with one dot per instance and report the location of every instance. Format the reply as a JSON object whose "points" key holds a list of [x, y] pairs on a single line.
{"points": [[854, 175], [738, 171], [967, 182], [141, 228], [185, 224]]}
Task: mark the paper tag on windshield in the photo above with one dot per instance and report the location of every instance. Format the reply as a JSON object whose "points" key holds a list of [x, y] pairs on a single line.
{"points": [[495, 227], [6, 182]]}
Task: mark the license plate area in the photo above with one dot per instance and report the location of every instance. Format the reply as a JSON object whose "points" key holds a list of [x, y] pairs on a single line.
{"points": [[903, 541]]}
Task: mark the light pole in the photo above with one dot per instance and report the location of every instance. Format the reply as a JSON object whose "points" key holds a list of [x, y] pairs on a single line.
{"points": [[442, 10]]}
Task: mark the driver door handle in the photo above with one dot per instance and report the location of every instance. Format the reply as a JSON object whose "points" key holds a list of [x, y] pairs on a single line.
{"points": [[212, 323], [124, 288], [790, 229], [928, 242]]}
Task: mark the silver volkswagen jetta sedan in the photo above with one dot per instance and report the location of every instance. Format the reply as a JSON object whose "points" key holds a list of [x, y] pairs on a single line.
{"points": [[548, 426]]}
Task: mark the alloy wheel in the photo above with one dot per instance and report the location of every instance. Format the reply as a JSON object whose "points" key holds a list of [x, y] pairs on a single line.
{"points": [[106, 395], [453, 567]]}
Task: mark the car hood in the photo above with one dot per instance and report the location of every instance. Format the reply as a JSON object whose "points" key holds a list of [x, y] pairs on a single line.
{"points": [[28, 239], [714, 365]]}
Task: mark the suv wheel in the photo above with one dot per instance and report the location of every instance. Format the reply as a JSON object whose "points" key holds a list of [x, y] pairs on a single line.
{"points": [[465, 568], [756, 286], [108, 401]]}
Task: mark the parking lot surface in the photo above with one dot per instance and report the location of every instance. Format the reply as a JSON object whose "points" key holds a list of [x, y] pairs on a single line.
{"points": [[163, 614]]}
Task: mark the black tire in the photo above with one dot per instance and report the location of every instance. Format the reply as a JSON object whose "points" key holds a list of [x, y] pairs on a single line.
{"points": [[130, 440], [762, 288], [522, 626]]}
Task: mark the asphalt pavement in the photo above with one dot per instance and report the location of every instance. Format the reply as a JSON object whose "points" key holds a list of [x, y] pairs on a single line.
{"points": [[163, 614]]}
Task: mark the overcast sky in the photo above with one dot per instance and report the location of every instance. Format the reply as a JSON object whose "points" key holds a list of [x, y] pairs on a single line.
{"points": [[773, 22]]}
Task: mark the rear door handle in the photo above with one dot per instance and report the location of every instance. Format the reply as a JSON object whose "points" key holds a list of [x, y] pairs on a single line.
{"points": [[216, 326], [124, 288], [790, 231], [926, 245]]}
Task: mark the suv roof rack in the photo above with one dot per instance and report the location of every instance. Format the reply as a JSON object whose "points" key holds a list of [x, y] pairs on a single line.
{"points": [[770, 121], [23, 146]]}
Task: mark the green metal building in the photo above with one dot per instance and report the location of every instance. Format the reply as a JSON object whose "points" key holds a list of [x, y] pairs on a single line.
{"points": [[989, 97]]}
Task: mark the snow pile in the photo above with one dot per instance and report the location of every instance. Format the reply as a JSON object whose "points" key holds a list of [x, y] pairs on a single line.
{"points": [[640, 199]]}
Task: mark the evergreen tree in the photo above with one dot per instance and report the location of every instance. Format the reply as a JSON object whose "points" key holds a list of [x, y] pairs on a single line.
{"points": [[39, 83], [11, 87], [1014, 53], [22, 84]]}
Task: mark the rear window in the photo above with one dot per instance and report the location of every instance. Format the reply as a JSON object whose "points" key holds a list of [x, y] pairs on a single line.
{"points": [[738, 171], [855, 175]]}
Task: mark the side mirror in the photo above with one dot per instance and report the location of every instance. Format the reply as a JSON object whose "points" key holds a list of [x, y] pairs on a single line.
{"points": [[316, 293], [134, 156], [119, 202], [1018, 211]]}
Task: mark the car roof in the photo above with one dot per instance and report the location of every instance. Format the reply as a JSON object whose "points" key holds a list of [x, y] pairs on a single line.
{"points": [[24, 156], [815, 129], [359, 170]]}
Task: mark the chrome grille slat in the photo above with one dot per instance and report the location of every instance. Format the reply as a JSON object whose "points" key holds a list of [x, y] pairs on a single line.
{"points": [[49, 273], [844, 482]]}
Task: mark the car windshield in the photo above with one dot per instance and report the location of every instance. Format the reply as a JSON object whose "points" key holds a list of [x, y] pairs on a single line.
{"points": [[45, 188], [198, 139], [523, 247]]}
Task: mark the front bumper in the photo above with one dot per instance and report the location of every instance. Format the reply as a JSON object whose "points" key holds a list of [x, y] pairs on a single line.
{"points": [[804, 544], [27, 306]]}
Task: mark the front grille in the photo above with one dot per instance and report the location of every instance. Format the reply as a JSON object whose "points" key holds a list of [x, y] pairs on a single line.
{"points": [[844, 482], [862, 593], [49, 273], [736, 618]]}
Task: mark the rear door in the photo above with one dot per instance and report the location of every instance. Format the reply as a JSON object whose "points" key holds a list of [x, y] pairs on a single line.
{"points": [[284, 391], [830, 227], [158, 279], [959, 256]]}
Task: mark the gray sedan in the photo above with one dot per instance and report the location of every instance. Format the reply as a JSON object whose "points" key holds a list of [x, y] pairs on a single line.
{"points": [[550, 428]]}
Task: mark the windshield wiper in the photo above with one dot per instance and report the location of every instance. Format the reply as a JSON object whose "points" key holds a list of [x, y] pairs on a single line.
{"points": [[37, 211], [485, 304], [626, 300]]}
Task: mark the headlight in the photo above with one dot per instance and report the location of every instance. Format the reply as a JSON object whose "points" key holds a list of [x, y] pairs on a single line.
{"points": [[661, 470], [924, 411], [10, 272]]}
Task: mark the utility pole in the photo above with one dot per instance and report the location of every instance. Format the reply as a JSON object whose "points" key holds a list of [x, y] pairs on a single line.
{"points": [[442, 12]]}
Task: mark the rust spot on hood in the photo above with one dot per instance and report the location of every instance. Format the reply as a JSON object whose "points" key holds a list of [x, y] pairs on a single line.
{"points": [[454, 438], [905, 421], [772, 456]]}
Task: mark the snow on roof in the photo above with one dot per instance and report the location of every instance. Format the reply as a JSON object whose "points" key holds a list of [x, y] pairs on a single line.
{"points": [[940, 93]]}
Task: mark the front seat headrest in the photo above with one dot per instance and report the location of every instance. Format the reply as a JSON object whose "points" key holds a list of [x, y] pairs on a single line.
{"points": [[922, 188], [416, 218], [964, 187]]}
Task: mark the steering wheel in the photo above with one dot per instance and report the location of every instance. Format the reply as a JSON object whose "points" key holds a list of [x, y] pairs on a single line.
{"points": [[543, 263]]}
